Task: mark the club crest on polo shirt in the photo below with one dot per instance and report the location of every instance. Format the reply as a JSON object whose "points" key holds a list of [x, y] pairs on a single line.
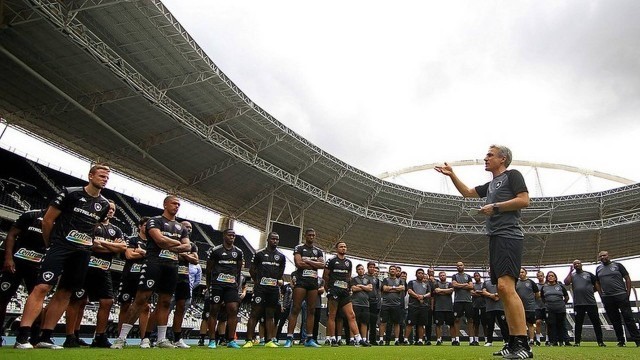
{"points": [[97, 206], [276, 257], [5, 286], [234, 254], [585, 276], [111, 232], [498, 184], [613, 268], [150, 283], [79, 293]]}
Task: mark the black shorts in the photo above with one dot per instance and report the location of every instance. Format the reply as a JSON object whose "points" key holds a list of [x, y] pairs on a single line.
{"points": [[541, 314], [362, 314], [341, 296], [159, 277], [391, 314], [505, 257], [219, 294], [443, 317], [128, 288], [307, 283], [530, 317], [98, 285], [266, 296], [183, 290], [478, 315], [418, 315], [462, 309], [70, 265], [9, 282]]}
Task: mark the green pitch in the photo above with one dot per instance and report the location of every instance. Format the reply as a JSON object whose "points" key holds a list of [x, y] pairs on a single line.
{"points": [[586, 351]]}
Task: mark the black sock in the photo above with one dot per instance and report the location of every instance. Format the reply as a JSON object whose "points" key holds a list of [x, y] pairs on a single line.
{"points": [[23, 334], [46, 335], [177, 336], [523, 340], [71, 336], [147, 335], [202, 336], [76, 334]]}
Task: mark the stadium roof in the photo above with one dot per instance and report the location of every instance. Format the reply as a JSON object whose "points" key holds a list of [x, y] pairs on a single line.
{"points": [[124, 83]]}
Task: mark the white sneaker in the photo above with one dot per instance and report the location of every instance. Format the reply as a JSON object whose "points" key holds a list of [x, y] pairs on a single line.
{"points": [[488, 344], [118, 343], [26, 345], [145, 343], [180, 344], [165, 344], [48, 345]]}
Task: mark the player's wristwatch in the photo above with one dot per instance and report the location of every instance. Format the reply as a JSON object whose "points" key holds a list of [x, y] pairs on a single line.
{"points": [[496, 209]]}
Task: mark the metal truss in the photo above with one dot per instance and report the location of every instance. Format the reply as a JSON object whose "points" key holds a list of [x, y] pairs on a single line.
{"points": [[217, 137]]}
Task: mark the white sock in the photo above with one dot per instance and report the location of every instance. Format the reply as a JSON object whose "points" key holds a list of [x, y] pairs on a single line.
{"points": [[162, 332], [124, 332], [357, 338]]}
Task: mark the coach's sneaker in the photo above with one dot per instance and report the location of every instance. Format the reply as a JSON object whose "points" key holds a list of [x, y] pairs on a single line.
{"points": [[212, 344], [506, 350], [311, 343], [165, 344], [145, 343], [180, 344], [288, 342], [234, 345], [120, 343], [247, 344], [519, 351]]}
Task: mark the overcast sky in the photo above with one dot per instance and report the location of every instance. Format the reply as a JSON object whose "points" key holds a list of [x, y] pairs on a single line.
{"points": [[414, 82]]}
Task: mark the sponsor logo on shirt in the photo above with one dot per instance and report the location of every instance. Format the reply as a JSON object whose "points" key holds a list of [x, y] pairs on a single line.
{"points": [[29, 255], [89, 214], [79, 238], [98, 263]]}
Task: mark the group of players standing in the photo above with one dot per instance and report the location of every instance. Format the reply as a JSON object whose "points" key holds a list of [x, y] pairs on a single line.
{"points": [[78, 243]]}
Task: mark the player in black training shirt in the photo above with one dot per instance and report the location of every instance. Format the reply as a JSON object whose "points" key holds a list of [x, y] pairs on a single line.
{"points": [[337, 277], [308, 259], [225, 284], [98, 286], [267, 269], [134, 255], [166, 238], [67, 227], [23, 252], [182, 294]]}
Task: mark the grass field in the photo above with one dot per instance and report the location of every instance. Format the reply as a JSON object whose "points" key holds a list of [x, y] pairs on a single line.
{"points": [[586, 351]]}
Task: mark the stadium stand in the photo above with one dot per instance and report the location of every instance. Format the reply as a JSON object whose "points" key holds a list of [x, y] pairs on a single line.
{"points": [[26, 185]]}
